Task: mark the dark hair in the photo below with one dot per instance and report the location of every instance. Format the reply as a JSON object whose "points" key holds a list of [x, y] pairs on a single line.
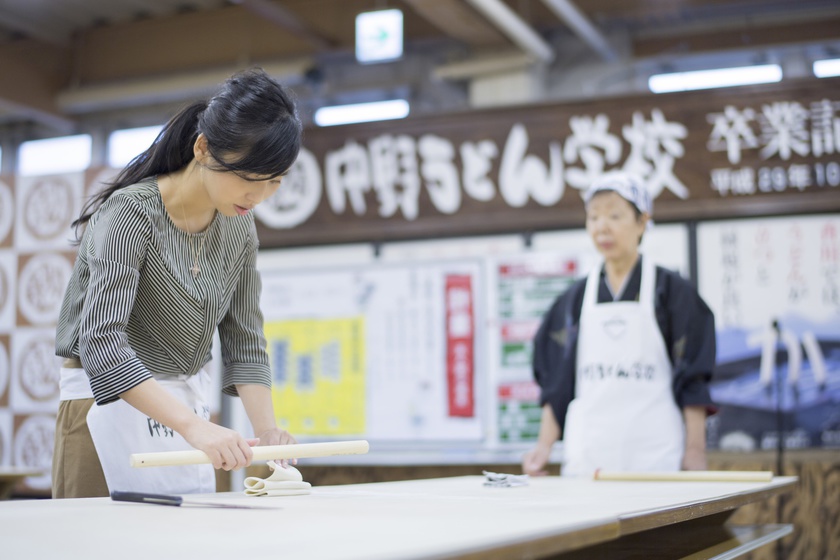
{"points": [[251, 125]]}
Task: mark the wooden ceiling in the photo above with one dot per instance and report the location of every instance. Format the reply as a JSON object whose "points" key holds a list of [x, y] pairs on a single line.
{"points": [[50, 49]]}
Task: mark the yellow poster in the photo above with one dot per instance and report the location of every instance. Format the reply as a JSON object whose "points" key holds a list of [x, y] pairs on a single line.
{"points": [[318, 366]]}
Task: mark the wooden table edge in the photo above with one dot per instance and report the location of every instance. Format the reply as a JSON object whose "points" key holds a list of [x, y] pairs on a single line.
{"points": [[552, 542], [642, 521]]}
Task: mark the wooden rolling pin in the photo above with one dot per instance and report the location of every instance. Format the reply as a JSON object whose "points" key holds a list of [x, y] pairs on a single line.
{"points": [[688, 476], [261, 453]]}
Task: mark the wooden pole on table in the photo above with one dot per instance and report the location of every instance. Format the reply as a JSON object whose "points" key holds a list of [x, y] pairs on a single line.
{"points": [[687, 476], [261, 453]]}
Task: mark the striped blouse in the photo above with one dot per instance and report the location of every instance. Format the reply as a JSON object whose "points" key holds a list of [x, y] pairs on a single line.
{"points": [[133, 310]]}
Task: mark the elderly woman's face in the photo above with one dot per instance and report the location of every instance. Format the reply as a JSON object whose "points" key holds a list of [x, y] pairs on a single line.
{"points": [[614, 225]]}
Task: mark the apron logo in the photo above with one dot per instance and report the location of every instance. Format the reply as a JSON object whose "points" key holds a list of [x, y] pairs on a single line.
{"points": [[156, 429], [615, 327]]}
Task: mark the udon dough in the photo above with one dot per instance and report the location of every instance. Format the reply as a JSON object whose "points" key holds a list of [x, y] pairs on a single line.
{"points": [[282, 482]]}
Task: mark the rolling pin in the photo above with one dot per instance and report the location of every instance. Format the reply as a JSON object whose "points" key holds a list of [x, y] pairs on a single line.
{"points": [[261, 453], [687, 476]]}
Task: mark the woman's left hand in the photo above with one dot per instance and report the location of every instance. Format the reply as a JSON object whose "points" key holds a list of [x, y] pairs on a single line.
{"points": [[277, 436]]}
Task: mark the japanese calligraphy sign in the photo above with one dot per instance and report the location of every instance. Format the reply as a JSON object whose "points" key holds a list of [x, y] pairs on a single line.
{"points": [[725, 153]]}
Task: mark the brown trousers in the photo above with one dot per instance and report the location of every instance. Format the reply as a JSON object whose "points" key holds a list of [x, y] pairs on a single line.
{"points": [[76, 471]]}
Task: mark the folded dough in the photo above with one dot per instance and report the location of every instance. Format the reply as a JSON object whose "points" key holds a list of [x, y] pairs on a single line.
{"points": [[282, 482]]}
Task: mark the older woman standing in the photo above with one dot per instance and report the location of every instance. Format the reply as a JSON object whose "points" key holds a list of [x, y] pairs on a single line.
{"points": [[623, 358]]}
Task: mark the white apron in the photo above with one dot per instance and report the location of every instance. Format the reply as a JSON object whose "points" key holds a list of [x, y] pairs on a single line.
{"points": [[118, 430], [623, 416]]}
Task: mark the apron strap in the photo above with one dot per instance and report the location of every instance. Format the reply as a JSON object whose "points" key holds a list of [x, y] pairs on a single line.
{"points": [[590, 293], [648, 286]]}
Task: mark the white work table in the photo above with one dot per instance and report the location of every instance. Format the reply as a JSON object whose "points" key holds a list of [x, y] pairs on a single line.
{"points": [[437, 518]]}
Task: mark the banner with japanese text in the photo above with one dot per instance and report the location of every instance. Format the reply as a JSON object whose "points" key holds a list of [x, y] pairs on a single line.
{"points": [[747, 151]]}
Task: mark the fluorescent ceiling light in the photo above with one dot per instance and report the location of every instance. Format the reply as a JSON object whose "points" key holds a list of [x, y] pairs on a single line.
{"points": [[362, 112], [827, 68], [718, 78]]}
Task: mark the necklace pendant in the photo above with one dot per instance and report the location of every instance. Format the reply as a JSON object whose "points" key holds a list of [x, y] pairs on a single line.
{"points": [[195, 269]]}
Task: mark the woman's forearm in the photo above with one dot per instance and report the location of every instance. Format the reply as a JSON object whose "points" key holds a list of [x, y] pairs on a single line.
{"points": [[695, 427], [258, 406], [159, 404], [549, 428], [694, 457]]}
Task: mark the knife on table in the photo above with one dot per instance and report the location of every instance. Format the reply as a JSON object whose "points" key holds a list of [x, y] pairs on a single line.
{"points": [[168, 500]]}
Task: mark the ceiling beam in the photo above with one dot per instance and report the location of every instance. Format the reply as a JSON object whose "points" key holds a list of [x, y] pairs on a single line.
{"points": [[179, 87], [44, 116], [34, 31], [483, 65], [458, 20], [522, 34], [34, 72], [581, 26], [728, 38], [280, 16]]}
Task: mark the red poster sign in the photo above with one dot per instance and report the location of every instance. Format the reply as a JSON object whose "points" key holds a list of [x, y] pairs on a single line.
{"points": [[460, 361]]}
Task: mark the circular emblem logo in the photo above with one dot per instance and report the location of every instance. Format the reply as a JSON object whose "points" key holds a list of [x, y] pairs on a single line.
{"points": [[41, 287], [38, 371], [48, 207], [33, 447]]}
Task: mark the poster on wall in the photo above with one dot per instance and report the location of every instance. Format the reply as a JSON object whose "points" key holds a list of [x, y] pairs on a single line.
{"points": [[524, 287], [384, 352], [774, 286]]}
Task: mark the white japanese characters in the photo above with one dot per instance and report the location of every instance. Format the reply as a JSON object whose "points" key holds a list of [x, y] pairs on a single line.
{"points": [[388, 173]]}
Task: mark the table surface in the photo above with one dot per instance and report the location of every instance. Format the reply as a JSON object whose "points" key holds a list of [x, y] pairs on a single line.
{"points": [[454, 517]]}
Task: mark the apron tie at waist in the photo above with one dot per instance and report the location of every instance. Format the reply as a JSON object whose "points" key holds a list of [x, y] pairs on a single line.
{"points": [[72, 363]]}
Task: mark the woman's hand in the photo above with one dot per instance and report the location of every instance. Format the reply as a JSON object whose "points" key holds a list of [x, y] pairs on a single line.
{"points": [[276, 436], [227, 449], [535, 461], [260, 410]]}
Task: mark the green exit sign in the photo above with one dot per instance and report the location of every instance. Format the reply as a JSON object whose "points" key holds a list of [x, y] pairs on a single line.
{"points": [[379, 36]]}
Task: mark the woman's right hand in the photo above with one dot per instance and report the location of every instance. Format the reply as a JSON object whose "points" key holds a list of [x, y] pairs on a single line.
{"points": [[227, 449], [535, 461]]}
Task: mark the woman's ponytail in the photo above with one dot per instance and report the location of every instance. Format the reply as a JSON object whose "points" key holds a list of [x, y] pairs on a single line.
{"points": [[171, 151]]}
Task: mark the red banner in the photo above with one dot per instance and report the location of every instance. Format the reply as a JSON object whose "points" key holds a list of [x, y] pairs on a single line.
{"points": [[460, 360]]}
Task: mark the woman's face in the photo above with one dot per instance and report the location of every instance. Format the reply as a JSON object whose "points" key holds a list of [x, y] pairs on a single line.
{"points": [[614, 226], [230, 193], [233, 195]]}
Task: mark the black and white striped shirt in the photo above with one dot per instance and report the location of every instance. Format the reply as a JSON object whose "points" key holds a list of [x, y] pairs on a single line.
{"points": [[133, 310]]}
